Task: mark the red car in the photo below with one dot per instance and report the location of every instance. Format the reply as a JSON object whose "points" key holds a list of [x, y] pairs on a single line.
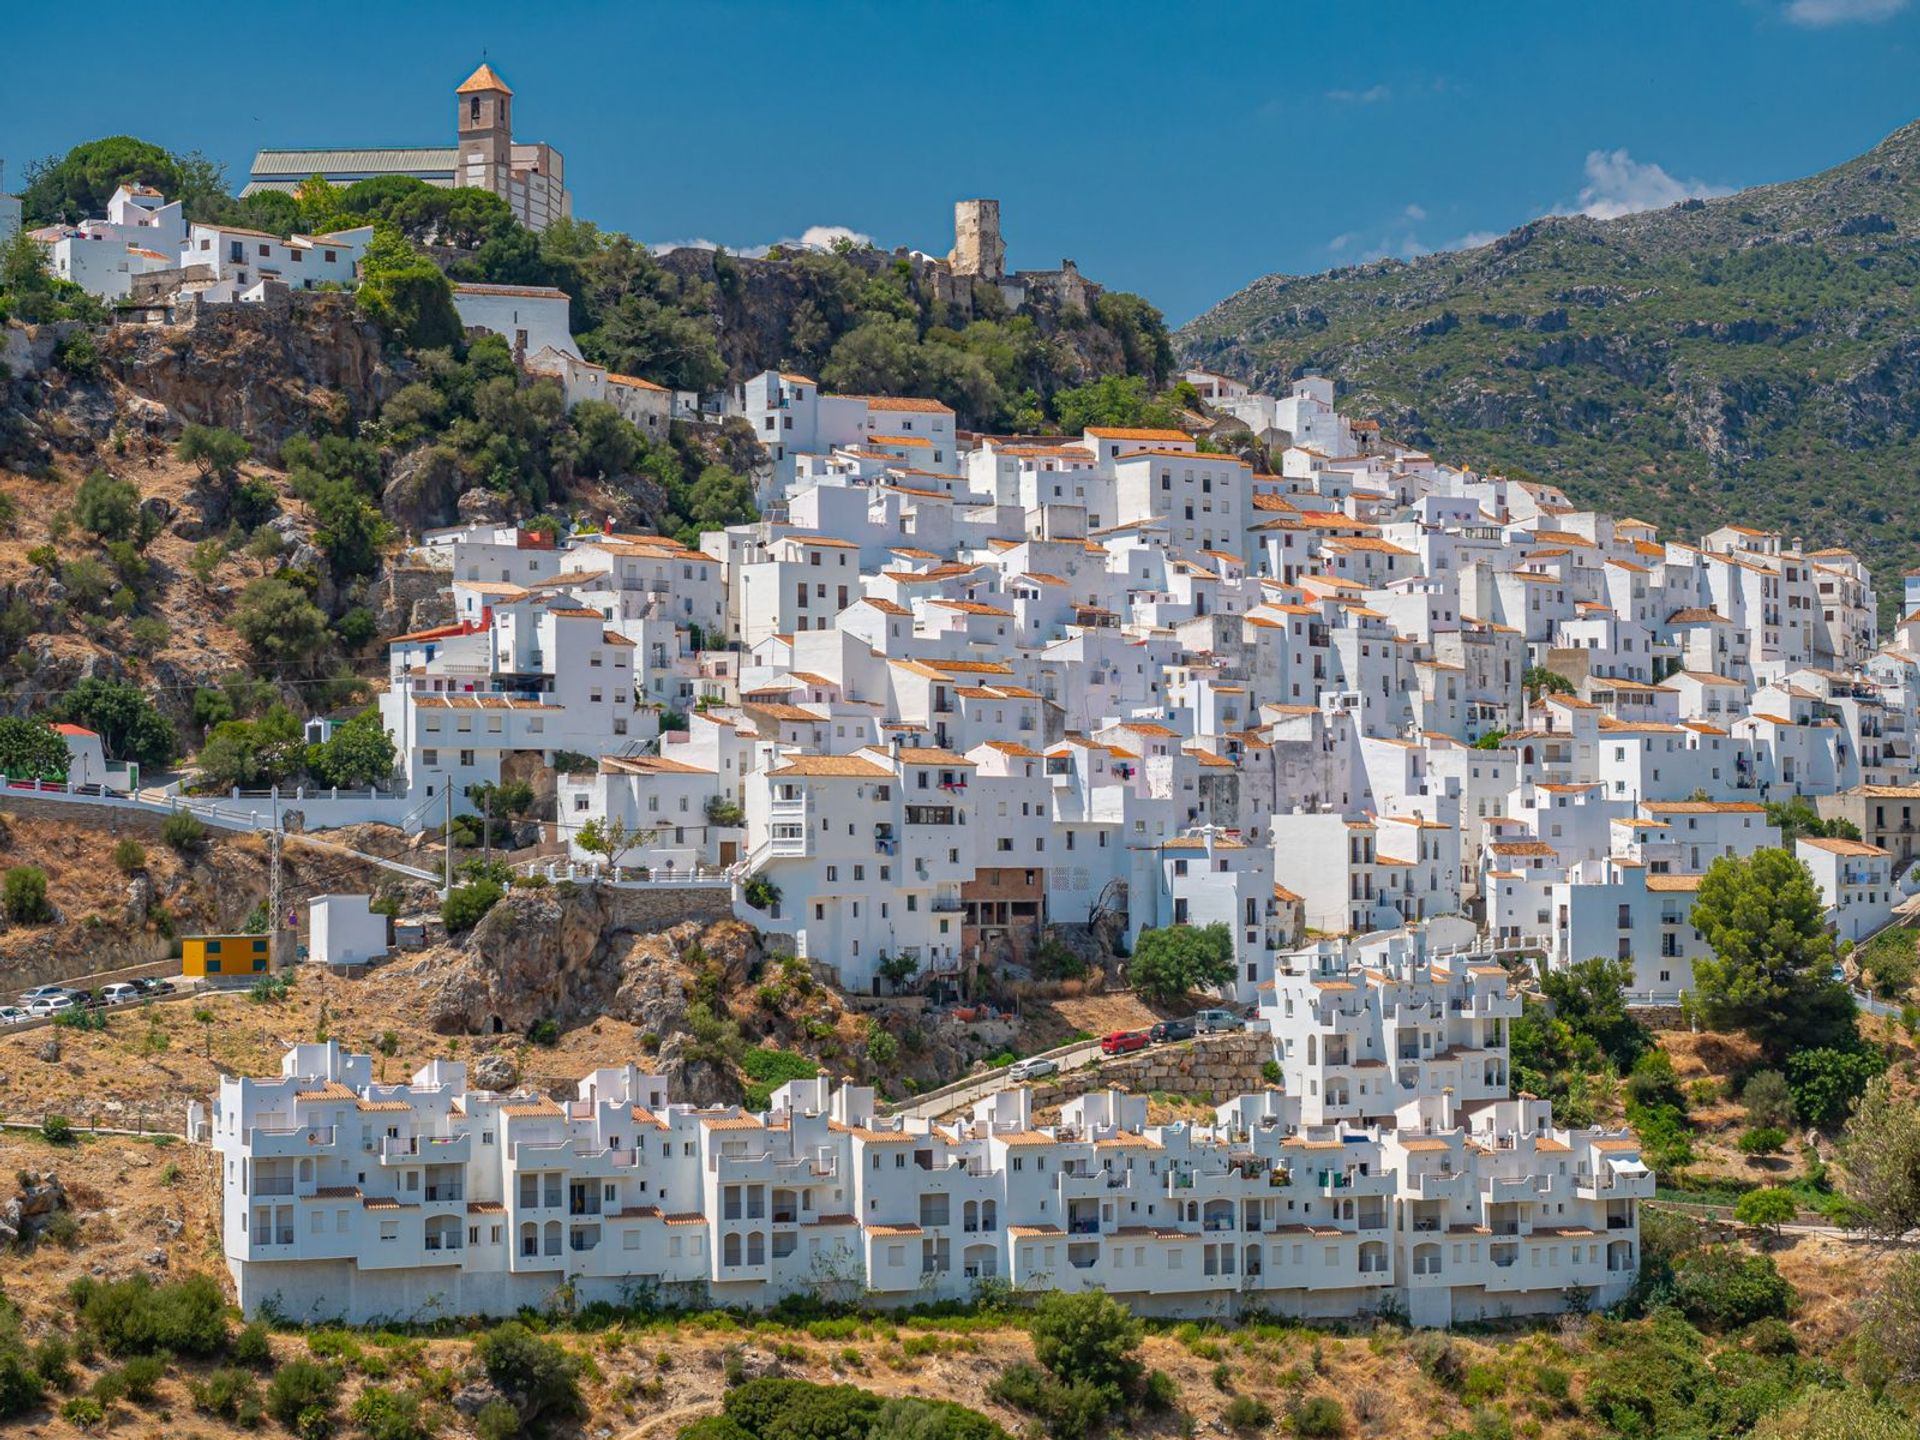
{"points": [[1121, 1042]]}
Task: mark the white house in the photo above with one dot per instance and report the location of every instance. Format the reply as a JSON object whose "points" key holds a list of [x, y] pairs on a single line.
{"points": [[243, 258], [344, 930], [530, 318], [1855, 880]]}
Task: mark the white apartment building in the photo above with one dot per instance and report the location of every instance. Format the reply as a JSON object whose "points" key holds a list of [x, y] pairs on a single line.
{"points": [[532, 675], [344, 1198]]}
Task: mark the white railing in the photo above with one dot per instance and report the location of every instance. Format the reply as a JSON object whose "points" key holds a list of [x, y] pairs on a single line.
{"points": [[699, 877]]}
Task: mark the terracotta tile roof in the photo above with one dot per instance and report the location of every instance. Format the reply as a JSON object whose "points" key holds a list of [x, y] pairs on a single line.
{"points": [[839, 767], [332, 1090], [1105, 432]]}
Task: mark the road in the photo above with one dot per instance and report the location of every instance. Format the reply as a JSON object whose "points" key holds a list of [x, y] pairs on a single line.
{"points": [[977, 1087]]}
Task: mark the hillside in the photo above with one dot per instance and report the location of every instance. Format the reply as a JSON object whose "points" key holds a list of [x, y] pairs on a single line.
{"points": [[1752, 358]]}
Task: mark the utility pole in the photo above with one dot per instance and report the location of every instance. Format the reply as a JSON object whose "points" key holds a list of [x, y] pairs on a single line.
{"points": [[447, 847]]}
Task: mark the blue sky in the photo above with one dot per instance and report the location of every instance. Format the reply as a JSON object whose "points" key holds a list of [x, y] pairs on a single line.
{"points": [[1180, 150]]}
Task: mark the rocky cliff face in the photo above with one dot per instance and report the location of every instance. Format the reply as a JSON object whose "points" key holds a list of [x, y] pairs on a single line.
{"points": [[268, 371], [569, 957]]}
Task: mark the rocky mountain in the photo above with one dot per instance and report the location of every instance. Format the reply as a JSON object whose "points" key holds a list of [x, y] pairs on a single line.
{"points": [[1753, 358]]}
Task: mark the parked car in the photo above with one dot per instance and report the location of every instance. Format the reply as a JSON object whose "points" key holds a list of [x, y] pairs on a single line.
{"points": [[48, 1005], [1211, 1021], [1170, 1030], [1122, 1042], [42, 992], [12, 1015], [1032, 1069], [120, 994]]}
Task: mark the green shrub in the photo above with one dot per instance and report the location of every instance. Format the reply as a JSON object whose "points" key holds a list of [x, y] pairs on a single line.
{"points": [[540, 1377], [1161, 1392], [20, 1388], [1719, 1288], [1763, 1140], [466, 905], [386, 1414], [1322, 1415], [1771, 1336], [229, 1394], [25, 890], [83, 1412], [137, 1317], [129, 855], [1245, 1412], [53, 1363], [497, 1420], [1826, 1081], [57, 1130], [1087, 1338], [1068, 1412], [302, 1395], [183, 833]]}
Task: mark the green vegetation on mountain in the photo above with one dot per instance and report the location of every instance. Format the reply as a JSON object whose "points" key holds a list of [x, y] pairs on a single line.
{"points": [[1754, 358]]}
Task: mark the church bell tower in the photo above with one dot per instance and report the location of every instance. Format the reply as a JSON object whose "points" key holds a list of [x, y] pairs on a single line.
{"points": [[485, 126]]}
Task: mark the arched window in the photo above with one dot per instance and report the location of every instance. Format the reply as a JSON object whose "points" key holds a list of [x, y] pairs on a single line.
{"points": [[730, 1250], [989, 1215], [756, 1248], [970, 1215]]}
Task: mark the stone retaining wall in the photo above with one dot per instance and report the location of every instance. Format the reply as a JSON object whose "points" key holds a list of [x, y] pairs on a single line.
{"points": [[649, 909], [1218, 1065]]}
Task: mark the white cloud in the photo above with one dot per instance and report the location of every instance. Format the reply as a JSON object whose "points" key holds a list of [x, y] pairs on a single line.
{"points": [[1617, 184], [1415, 212], [814, 237], [1473, 240], [1340, 242], [1818, 14], [1372, 95]]}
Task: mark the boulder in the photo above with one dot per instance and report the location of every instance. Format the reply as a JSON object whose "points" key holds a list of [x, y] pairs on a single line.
{"points": [[495, 1071], [472, 1398]]}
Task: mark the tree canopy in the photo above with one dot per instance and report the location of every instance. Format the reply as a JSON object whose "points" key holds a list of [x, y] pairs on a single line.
{"points": [[30, 750], [1880, 1157], [1171, 962], [1771, 971], [123, 715]]}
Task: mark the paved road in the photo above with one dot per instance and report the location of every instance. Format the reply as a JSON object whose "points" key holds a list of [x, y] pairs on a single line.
{"points": [[978, 1087]]}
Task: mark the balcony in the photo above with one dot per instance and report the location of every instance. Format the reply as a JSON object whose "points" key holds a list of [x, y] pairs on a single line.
{"points": [[274, 1185], [274, 1142], [445, 1194], [281, 1236]]}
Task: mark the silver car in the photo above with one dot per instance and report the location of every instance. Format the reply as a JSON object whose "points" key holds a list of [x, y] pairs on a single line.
{"points": [[1034, 1069]]}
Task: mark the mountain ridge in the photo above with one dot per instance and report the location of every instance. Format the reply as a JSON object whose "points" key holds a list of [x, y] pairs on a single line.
{"points": [[1751, 357]]}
